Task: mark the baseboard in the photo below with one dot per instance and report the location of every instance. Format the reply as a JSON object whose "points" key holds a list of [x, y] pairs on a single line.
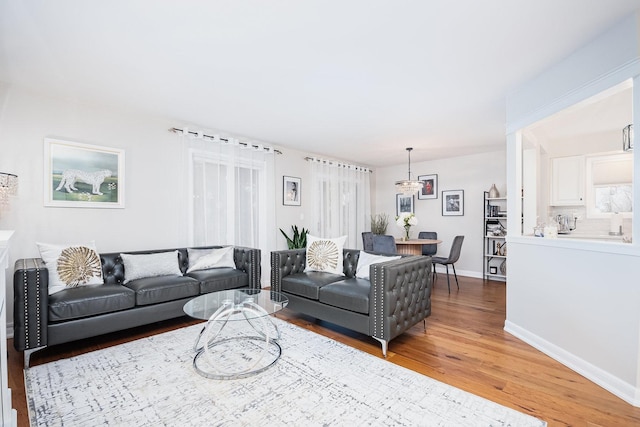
{"points": [[615, 385], [9, 330], [466, 273]]}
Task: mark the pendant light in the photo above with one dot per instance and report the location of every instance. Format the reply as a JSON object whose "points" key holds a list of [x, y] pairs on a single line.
{"points": [[8, 187], [407, 186]]}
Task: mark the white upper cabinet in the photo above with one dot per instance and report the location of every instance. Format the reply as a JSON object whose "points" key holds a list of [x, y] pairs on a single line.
{"points": [[567, 181]]}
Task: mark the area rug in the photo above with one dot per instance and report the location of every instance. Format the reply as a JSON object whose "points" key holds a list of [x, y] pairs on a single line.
{"points": [[316, 382]]}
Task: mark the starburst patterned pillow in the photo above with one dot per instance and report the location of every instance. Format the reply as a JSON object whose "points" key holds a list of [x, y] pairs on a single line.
{"points": [[325, 254], [71, 265]]}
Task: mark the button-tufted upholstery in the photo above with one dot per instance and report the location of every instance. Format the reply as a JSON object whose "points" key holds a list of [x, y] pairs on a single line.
{"points": [[397, 297], [41, 319]]}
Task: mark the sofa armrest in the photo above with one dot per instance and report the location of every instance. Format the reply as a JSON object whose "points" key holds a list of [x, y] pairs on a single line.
{"points": [[285, 263], [400, 295], [30, 304], [248, 260]]}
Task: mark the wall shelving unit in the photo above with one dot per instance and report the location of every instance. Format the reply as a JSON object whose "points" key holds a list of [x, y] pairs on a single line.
{"points": [[494, 262]]}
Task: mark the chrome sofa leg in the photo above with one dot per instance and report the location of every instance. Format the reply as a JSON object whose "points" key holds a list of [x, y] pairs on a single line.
{"points": [[384, 344], [28, 353]]}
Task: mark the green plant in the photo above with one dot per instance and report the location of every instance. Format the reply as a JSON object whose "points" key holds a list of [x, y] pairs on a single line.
{"points": [[299, 239], [379, 223]]}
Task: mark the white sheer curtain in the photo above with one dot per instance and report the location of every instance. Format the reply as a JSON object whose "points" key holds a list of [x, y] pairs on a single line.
{"points": [[341, 200], [231, 187]]}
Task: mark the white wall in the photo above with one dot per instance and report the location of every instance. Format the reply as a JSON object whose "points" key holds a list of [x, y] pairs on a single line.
{"points": [[155, 214], [474, 174], [292, 163], [577, 301]]}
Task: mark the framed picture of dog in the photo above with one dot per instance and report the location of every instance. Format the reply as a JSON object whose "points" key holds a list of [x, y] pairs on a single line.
{"points": [[82, 175]]}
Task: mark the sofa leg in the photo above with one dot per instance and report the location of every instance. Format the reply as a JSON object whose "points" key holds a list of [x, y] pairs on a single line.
{"points": [[28, 353], [384, 344]]}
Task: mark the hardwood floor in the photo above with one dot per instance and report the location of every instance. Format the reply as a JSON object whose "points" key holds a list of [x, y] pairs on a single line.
{"points": [[464, 346]]}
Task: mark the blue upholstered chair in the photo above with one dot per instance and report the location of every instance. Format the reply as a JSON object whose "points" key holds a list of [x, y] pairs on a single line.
{"points": [[367, 241], [384, 243], [429, 250]]}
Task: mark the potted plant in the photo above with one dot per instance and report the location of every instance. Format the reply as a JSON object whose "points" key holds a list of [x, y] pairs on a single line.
{"points": [[379, 223], [299, 238]]}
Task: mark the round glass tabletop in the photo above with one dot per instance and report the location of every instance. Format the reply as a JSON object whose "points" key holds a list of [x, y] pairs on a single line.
{"points": [[204, 306]]}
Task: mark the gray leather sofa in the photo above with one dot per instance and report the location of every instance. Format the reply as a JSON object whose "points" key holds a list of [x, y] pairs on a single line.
{"points": [[397, 296], [41, 320]]}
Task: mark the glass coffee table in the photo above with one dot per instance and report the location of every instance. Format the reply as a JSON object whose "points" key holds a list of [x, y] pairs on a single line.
{"points": [[239, 338]]}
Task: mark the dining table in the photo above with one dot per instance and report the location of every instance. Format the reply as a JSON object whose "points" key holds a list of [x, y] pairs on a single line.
{"points": [[414, 246]]}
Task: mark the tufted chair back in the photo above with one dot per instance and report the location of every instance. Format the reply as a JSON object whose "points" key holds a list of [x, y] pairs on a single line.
{"points": [[113, 268], [384, 244]]}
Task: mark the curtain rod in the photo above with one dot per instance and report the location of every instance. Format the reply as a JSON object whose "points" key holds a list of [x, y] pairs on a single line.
{"points": [[339, 164], [213, 137]]}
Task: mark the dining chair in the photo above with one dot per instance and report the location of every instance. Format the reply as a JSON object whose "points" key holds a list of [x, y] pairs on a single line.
{"points": [[454, 255], [367, 241], [384, 243], [429, 250]]}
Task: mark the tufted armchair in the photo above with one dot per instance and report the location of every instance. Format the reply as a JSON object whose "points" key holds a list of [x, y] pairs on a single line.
{"points": [[397, 296]]}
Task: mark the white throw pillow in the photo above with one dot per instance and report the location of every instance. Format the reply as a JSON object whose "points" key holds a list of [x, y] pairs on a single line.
{"points": [[210, 258], [138, 266], [71, 265], [325, 254], [365, 260]]}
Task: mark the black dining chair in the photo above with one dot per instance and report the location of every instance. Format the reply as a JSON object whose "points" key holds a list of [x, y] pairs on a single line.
{"points": [[384, 243], [454, 255], [367, 241], [429, 250]]}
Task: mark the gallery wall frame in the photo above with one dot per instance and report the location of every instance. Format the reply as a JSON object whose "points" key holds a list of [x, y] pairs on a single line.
{"points": [[405, 204], [453, 203], [429, 187], [83, 175], [291, 191]]}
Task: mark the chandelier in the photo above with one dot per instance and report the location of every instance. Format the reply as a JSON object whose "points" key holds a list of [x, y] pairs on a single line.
{"points": [[8, 186], [407, 186], [627, 138]]}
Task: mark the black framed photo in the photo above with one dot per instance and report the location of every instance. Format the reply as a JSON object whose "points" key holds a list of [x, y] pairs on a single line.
{"points": [[404, 204], [429, 187], [291, 187], [453, 203]]}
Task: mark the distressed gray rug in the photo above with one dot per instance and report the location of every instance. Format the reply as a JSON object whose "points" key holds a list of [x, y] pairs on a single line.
{"points": [[316, 382]]}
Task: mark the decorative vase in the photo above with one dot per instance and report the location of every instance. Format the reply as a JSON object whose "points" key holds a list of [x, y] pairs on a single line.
{"points": [[493, 192], [407, 228]]}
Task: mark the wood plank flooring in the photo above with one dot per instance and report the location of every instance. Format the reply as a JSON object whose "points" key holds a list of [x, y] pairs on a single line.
{"points": [[464, 345]]}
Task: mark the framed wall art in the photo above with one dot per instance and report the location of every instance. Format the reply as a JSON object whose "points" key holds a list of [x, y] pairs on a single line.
{"points": [[82, 175], [291, 191], [429, 187], [404, 204], [453, 203]]}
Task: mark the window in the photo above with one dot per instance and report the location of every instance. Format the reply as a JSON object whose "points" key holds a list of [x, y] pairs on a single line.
{"points": [[609, 185], [340, 200]]}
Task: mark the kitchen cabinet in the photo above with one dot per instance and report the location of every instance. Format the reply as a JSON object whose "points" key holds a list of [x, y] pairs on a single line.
{"points": [[567, 181]]}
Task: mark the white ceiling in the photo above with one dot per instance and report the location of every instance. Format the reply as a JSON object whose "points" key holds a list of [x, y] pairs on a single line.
{"points": [[352, 79]]}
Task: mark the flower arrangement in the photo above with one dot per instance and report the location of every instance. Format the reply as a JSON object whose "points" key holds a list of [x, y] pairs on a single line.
{"points": [[406, 220]]}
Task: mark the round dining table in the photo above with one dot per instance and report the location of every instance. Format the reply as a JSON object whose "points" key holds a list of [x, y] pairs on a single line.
{"points": [[414, 246]]}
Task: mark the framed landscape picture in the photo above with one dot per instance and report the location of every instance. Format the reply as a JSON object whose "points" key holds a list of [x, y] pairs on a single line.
{"points": [[404, 204], [453, 203], [291, 191], [429, 187], [82, 175]]}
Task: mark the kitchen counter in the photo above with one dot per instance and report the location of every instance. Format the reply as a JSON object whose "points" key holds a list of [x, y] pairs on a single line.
{"points": [[605, 237]]}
